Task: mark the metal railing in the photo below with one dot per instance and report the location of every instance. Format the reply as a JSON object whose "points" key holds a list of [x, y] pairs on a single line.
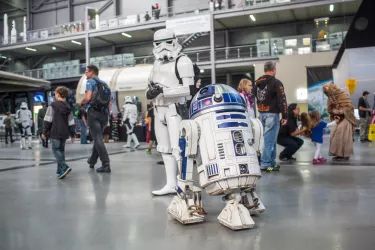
{"points": [[251, 51], [79, 27]]}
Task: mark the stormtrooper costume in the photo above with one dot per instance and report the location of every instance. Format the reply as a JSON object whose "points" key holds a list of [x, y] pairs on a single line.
{"points": [[169, 94], [24, 119], [129, 119]]}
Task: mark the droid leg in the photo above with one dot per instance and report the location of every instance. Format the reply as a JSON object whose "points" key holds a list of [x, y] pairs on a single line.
{"points": [[166, 135], [252, 202], [235, 215], [187, 207]]}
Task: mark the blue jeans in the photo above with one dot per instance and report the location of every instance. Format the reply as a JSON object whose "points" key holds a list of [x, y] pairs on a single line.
{"points": [[271, 125], [83, 131], [58, 148]]}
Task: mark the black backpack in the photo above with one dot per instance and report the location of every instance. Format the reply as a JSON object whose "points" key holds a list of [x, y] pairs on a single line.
{"points": [[101, 96], [197, 71]]}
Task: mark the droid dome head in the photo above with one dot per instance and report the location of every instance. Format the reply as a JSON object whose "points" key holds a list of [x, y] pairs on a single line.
{"points": [[166, 47], [216, 98], [128, 99], [23, 105]]}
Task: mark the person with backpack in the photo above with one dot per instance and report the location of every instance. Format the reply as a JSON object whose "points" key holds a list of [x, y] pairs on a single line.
{"points": [[98, 97]]}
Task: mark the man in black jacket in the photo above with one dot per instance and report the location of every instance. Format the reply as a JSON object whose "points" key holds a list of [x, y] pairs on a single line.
{"points": [[59, 125], [271, 101], [365, 116]]}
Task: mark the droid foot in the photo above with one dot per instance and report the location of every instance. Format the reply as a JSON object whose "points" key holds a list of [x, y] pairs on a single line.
{"points": [[164, 191], [235, 215], [185, 213]]}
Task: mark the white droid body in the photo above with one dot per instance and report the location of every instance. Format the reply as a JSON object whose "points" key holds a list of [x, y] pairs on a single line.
{"points": [[129, 119], [169, 94], [222, 139], [24, 119]]}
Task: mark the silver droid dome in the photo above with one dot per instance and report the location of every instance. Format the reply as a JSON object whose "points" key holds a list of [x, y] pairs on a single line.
{"points": [[216, 98]]}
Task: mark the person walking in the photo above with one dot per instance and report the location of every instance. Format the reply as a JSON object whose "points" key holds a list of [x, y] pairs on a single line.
{"points": [[41, 115], [245, 87], [98, 97], [288, 135], [58, 125], [8, 123], [365, 116], [271, 101], [82, 123]]}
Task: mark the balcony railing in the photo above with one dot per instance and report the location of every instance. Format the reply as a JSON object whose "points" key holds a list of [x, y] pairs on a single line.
{"points": [[246, 52], [78, 27]]}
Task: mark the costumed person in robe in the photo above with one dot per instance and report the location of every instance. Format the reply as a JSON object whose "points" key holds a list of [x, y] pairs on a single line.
{"points": [[340, 105]]}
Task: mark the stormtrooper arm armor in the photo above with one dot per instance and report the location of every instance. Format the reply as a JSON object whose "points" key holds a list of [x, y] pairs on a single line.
{"points": [[186, 72]]}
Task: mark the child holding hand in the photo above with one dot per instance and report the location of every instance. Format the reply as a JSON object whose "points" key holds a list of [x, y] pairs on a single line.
{"points": [[317, 127]]}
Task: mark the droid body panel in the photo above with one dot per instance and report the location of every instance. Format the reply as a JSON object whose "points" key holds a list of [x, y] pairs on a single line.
{"points": [[167, 91], [24, 120], [222, 137]]}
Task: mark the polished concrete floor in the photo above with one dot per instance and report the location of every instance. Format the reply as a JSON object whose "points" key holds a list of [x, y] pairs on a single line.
{"points": [[328, 206]]}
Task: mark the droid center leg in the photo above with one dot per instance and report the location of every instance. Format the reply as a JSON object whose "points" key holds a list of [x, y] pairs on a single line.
{"points": [[186, 206]]}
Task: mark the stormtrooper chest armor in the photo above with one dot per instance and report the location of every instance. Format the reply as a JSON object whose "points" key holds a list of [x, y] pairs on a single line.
{"points": [[164, 74]]}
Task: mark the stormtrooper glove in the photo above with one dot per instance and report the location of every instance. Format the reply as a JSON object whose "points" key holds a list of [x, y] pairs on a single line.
{"points": [[153, 91]]}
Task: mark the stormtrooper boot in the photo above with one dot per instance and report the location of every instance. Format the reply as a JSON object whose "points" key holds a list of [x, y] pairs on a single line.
{"points": [[135, 140], [128, 142], [171, 174]]}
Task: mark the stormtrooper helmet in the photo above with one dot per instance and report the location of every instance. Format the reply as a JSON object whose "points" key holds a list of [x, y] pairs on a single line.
{"points": [[166, 47], [128, 99], [23, 105]]}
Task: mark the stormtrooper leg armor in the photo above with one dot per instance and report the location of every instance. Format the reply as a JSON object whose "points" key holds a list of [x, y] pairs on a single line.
{"points": [[131, 136], [167, 123], [187, 207], [26, 131]]}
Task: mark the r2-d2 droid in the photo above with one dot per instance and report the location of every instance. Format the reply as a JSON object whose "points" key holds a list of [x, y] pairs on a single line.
{"points": [[223, 140]]}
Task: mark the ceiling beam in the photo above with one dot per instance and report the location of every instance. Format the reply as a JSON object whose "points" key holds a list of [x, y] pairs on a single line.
{"points": [[105, 40], [105, 6], [13, 5]]}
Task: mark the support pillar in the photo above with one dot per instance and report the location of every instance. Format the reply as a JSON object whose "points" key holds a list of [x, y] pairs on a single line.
{"points": [[229, 78], [87, 48], [116, 7], [29, 18], [227, 38], [70, 11], [212, 49]]}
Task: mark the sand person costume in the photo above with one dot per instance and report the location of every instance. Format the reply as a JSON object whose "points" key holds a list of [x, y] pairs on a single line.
{"points": [[339, 104]]}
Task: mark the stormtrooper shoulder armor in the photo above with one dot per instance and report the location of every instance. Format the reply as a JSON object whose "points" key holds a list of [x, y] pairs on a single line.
{"points": [[185, 67]]}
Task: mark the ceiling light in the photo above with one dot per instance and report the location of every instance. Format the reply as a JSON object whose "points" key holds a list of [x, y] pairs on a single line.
{"points": [[76, 42], [252, 17], [126, 34], [4, 57], [53, 48], [31, 49], [253, 65], [202, 70], [331, 7]]}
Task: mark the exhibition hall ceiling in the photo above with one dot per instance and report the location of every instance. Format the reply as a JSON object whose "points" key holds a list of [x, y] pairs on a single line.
{"points": [[291, 15]]}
